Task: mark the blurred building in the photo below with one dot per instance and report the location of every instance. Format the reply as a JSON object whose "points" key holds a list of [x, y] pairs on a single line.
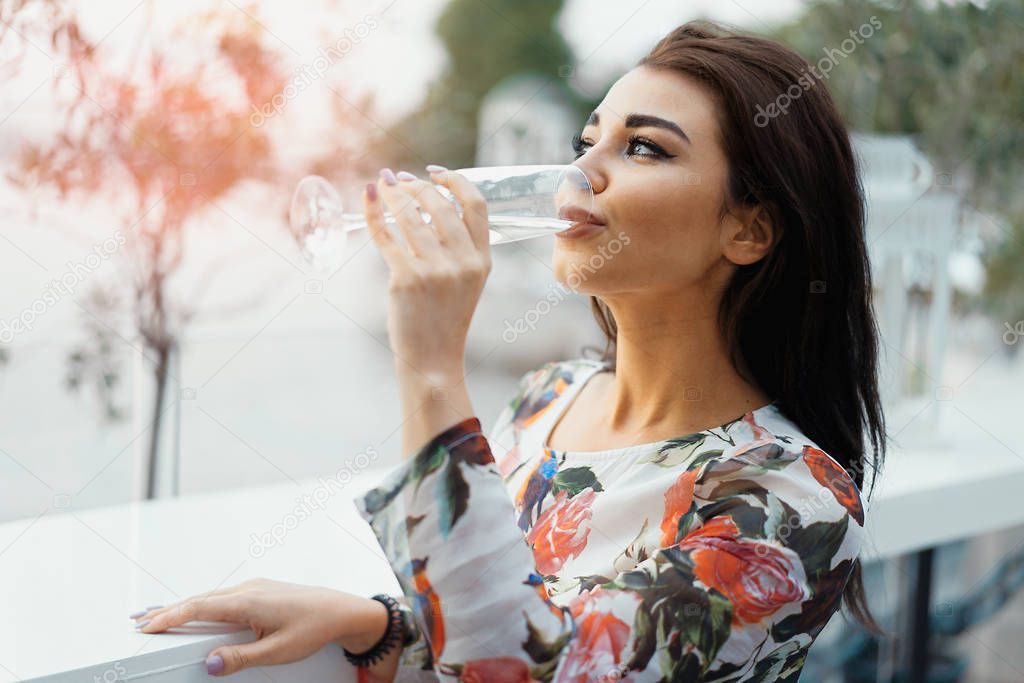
{"points": [[525, 119]]}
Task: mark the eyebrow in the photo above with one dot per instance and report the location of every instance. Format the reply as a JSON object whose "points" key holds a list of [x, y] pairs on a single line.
{"points": [[641, 120]]}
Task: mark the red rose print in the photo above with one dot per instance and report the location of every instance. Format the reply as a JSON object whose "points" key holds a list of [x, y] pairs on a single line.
{"points": [[601, 638], [757, 578], [678, 499], [561, 531], [496, 670], [829, 474]]}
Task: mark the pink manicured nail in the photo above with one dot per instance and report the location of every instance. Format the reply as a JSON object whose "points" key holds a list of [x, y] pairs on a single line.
{"points": [[388, 176], [405, 175], [371, 191], [215, 665], [434, 168]]}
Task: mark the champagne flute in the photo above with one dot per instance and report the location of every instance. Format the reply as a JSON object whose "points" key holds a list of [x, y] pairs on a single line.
{"points": [[523, 202]]}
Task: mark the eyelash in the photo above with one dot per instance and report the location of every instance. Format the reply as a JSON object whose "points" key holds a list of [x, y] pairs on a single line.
{"points": [[659, 153]]}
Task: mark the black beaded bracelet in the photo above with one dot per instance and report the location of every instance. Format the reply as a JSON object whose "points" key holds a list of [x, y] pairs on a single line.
{"points": [[398, 630]]}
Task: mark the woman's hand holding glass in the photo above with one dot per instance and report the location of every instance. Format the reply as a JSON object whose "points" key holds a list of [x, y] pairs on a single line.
{"points": [[437, 274], [436, 277]]}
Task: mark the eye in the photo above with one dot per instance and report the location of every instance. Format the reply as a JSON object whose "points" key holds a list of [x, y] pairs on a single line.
{"points": [[580, 146], [655, 151]]}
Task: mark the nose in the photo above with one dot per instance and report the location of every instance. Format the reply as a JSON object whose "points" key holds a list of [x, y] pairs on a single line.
{"points": [[594, 172]]}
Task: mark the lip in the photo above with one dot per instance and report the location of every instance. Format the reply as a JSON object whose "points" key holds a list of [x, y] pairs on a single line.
{"points": [[585, 222], [580, 230]]}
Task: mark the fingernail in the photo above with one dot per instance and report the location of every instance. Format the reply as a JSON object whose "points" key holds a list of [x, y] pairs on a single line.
{"points": [[405, 175], [371, 191], [388, 176], [154, 607], [215, 664], [434, 168], [136, 615], [142, 624]]}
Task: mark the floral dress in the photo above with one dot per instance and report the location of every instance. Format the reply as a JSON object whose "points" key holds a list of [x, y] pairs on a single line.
{"points": [[714, 556]]}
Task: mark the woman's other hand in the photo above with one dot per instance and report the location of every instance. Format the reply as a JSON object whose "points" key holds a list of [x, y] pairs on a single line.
{"points": [[291, 621]]}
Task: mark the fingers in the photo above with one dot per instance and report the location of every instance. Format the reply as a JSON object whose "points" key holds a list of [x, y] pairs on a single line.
{"points": [[150, 613], [233, 658], [446, 220], [474, 206], [229, 608], [422, 239], [392, 251]]}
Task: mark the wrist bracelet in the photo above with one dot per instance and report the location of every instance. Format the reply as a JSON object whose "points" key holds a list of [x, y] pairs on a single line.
{"points": [[398, 631]]}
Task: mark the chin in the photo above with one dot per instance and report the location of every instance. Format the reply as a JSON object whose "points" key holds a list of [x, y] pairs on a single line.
{"points": [[575, 272], [585, 265]]}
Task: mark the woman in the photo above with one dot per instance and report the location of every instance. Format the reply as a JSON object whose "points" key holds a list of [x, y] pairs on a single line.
{"points": [[686, 508]]}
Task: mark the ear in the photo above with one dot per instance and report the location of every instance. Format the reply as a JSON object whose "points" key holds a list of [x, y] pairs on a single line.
{"points": [[748, 234]]}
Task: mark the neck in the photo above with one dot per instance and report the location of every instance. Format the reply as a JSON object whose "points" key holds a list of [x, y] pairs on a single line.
{"points": [[673, 369]]}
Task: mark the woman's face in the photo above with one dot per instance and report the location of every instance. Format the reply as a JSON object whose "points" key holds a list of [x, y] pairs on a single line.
{"points": [[658, 190]]}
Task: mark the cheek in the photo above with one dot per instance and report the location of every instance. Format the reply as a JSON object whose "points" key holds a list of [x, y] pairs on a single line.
{"points": [[663, 235], [674, 225], [676, 208]]}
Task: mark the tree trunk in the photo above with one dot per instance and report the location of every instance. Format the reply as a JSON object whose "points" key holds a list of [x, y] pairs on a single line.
{"points": [[160, 373]]}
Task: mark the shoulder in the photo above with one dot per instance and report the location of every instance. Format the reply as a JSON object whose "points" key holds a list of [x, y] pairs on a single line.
{"points": [[763, 500], [802, 489], [818, 470]]}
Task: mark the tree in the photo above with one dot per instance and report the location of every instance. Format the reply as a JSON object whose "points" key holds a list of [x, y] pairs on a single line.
{"points": [[948, 74], [172, 136], [485, 41], [19, 16]]}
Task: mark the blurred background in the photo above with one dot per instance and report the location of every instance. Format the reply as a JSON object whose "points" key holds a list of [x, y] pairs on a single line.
{"points": [[161, 335]]}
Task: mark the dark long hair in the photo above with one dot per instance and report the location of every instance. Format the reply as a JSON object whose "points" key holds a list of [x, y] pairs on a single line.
{"points": [[799, 322]]}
